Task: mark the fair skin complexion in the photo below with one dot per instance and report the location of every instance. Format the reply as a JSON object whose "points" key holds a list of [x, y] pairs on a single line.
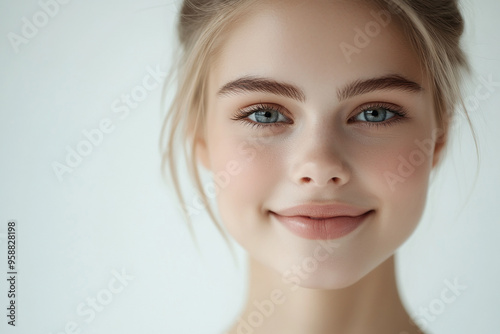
{"points": [[329, 145]]}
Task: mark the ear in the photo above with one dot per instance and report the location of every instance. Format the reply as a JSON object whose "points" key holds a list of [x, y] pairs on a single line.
{"points": [[440, 138], [201, 151], [196, 135]]}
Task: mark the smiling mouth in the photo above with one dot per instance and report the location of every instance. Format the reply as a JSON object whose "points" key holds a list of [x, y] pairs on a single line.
{"points": [[322, 226], [323, 218]]}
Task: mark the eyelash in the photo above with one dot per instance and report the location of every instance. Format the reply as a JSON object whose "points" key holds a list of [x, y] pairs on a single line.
{"points": [[399, 114], [241, 114]]}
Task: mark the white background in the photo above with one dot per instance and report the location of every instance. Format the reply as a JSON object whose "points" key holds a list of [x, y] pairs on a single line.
{"points": [[114, 212]]}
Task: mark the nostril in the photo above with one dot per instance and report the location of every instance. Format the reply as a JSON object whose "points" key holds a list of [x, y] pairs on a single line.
{"points": [[307, 179]]}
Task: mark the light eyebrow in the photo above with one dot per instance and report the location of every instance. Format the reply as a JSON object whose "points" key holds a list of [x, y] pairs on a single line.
{"points": [[260, 84], [393, 81]]}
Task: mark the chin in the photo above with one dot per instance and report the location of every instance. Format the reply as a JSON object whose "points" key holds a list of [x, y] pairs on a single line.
{"points": [[328, 283], [331, 276]]}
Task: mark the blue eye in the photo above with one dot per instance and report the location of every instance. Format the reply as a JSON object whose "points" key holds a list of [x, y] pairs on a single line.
{"points": [[263, 115], [379, 114], [274, 115], [266, 116]]}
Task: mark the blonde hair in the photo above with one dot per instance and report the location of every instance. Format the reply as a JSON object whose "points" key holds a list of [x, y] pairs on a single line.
{"points": [[433, 28]]}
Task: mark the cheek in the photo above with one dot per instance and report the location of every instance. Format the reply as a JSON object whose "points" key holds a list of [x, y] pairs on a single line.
{"points": [[399, 169], [243, 173], [399, 176]]}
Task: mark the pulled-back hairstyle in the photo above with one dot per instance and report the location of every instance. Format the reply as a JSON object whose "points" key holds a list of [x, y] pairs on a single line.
{"points": [[432, 27]]}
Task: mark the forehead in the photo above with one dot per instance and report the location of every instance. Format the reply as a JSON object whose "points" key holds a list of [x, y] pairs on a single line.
{"points": [[316, 43]]}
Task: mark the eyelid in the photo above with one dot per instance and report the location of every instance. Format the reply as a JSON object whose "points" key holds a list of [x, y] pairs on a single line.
{"points": [[378, 104], [243, 113], [400, 113], [262, 105]]}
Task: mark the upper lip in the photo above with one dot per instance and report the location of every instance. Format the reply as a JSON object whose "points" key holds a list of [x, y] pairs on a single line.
{"points": [[322, 211]]}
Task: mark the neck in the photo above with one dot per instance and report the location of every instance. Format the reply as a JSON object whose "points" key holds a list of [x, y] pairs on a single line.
{"points": [[371, 305]]}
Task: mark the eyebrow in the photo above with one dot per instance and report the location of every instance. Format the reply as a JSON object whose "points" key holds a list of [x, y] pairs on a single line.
{"points": [[265, 85], [393, 81], [247, 84]]}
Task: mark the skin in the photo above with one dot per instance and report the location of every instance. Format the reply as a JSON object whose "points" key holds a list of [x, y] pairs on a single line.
{"points": [[319, 156]]}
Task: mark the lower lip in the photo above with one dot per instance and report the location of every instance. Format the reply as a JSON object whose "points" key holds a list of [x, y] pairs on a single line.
{"points": [[328, 228]]}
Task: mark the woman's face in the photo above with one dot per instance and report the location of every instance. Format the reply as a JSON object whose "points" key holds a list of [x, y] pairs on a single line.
{"points": [[340, 120]]}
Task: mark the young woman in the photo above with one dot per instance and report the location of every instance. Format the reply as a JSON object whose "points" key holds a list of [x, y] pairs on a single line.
{"points": [[321, 122]]}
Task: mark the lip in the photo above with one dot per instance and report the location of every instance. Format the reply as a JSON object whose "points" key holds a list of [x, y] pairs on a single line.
{"points": [[322, 221]]}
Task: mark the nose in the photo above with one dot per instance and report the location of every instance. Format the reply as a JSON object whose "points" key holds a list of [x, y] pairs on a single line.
{"points": [[317, 160]]}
